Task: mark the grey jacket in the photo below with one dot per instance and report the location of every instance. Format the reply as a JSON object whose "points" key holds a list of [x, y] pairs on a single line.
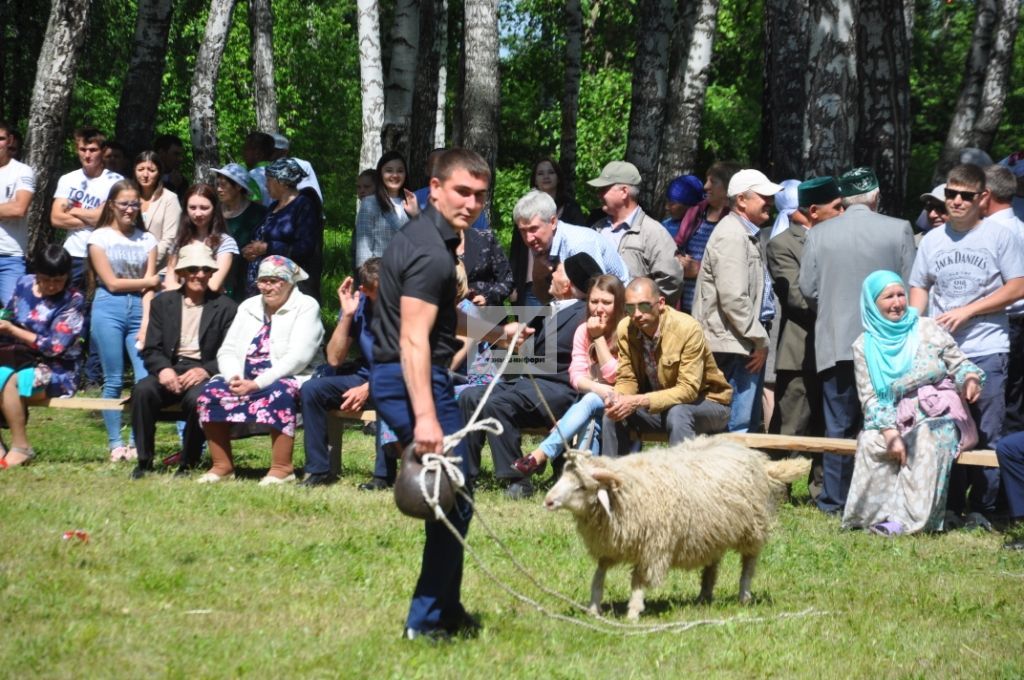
{"points": [[838, 255], [648, 250]]}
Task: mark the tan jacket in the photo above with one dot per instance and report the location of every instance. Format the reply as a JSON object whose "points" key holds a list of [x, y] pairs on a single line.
{"points": [[686, 369], [730, 287], [162, 221]]}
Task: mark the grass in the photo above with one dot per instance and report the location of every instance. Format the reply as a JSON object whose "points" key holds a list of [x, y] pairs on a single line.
{"points": [[181, 580]]}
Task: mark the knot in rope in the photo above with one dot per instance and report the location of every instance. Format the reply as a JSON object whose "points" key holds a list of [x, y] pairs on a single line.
{"points": [[439, 464]]}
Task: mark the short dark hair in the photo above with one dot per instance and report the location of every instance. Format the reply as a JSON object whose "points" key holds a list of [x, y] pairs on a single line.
{"points": [[89, 134], [5, 126], [166, 141], [369, 272], [114, 144], [262, 142], [52, 260], [723, 171], [466, 159], [967, 175]]}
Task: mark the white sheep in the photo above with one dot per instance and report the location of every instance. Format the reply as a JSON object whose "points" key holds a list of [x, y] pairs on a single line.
{"points": [[681, 507]]}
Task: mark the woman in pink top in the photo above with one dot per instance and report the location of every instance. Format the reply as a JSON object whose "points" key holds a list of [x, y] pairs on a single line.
{"points": [[591, 371]]}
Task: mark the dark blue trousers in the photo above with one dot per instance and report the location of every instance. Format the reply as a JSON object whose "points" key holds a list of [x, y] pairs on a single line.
{"points": [[1010, 452], [843, 420], [436, 599], [973, 488], [319, 395]]}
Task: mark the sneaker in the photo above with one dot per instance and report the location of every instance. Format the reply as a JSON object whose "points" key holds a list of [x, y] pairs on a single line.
{"points": [[319, 479], [130, 453], [118, 453]]}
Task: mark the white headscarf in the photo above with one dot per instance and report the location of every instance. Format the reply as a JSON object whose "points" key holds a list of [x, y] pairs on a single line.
{"points": [[786, 202]]}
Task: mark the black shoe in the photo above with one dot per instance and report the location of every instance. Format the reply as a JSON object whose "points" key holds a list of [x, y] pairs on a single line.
{"points": [[434, 636], [976, 520], [375, 484], [519, 490], [319, 479], [184, 471], [1015, 544], [464, 625], [141, 470]]}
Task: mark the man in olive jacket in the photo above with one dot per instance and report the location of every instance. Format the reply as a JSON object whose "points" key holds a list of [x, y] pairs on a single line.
{"points": [[667, 379]]}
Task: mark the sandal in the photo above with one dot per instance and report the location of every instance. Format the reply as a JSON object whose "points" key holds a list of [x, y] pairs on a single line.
{"points": [[887, 529], [28, 453]]}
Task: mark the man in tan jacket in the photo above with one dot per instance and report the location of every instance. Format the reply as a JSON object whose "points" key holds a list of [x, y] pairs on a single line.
{"points": [[734, 301], [667, 379]]}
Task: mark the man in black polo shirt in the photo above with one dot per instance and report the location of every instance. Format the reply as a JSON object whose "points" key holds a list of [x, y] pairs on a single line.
{"points": [[414, 342]]}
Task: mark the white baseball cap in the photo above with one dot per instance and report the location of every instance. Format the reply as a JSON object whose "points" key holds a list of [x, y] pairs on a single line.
{"points": [[752, 180]]}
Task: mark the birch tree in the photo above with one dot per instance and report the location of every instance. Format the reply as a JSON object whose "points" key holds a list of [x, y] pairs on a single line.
{"points": [[202, 111], [140, 94], [261, 29], [433, 52], [571, 93], [51, 99], [371, 82], [441, 36], [482, 92], [401, 80], [785, 68]]}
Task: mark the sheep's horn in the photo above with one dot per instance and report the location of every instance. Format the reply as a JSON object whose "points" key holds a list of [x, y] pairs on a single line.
{"points": [[608, 477]]}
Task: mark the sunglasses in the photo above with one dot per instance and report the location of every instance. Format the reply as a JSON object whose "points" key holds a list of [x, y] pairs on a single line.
{"points": [[196, 270], [644, 307], [965, 195]]}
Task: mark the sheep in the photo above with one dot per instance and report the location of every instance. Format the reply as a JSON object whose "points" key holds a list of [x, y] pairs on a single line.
{"points": [[682, 506]]}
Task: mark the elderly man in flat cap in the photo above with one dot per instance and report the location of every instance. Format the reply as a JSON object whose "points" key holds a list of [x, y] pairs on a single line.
{"points": [[838, 255], [797, 387], [643, 243]]}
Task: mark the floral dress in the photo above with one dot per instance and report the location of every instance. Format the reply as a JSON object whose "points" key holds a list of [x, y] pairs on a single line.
{"points": [[915, 495], [275, 406]]}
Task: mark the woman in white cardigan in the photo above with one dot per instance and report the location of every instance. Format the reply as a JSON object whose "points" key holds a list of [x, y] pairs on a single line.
{"points": [[272, 347]]}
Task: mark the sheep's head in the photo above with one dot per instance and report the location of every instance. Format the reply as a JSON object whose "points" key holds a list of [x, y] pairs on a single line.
{"points": [[583, 482]]}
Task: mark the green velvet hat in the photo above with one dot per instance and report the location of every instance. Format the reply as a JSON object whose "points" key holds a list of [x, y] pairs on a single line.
{"points": [[857, 181], [817, 191]]}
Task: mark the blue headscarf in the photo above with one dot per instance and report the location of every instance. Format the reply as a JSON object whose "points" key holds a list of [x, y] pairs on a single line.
{"points": [[786, 203], [889, 346]]}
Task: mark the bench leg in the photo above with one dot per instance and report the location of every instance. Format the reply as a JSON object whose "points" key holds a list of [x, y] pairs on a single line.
{"points": [[335, 428]]}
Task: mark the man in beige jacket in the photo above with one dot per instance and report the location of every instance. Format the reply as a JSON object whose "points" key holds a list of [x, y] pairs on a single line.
{"points": [[734, 301]]}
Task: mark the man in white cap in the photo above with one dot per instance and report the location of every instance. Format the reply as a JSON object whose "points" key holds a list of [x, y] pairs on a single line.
{"points": [[641, 241], [734, 300]]}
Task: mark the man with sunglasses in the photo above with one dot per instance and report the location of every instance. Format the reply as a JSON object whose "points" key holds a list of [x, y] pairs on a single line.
{"points": [[965, 275], [186, 328], [667, 379]]}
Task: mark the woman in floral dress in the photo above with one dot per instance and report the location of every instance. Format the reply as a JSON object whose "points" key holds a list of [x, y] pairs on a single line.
{"points": [[912, 380], [271, 348]]}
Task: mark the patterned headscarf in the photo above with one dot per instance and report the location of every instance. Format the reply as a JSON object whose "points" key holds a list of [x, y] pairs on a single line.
{"points": [[286, 171], [889, 346], [282, 268]]}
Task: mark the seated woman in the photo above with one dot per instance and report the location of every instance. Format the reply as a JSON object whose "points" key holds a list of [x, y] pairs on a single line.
{"points": [[41, 351], [270, 349], [910, 378], [595, 351]]}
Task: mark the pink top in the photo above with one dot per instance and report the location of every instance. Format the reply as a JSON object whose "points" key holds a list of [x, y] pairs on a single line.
{"points": [[585, 366]]}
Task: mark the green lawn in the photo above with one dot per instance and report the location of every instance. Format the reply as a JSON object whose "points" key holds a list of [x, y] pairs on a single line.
{"points": [[183, 580]]}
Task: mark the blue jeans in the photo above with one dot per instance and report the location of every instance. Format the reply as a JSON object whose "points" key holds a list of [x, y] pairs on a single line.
{"points": [[589, 408], [746, 391], [843, 421], [436, 599], [12, 268], [116, 318]]}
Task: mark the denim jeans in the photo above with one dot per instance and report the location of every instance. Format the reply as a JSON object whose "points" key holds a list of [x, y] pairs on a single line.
{"points": [[746, 391], [588, 409], [12, 268], [116, 318]]}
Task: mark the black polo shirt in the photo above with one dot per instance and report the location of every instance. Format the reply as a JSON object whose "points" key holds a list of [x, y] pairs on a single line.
{"points": [[420, 263]]}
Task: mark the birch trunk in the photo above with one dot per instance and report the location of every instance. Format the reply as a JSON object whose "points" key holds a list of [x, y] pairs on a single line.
{"points": [[433, 41], [785, 68], [371, 82], [51, 99], [997, 77], [830, 119], [482, 95], [884, 128], [650, 89], [261, 28], [440, 135], [692, 44], [571, 93], [140, 94], [202, 111], [401, 81]]}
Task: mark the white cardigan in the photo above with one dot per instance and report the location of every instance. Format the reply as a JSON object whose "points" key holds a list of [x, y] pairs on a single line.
{"points": [[162, 221], [295, 337]]}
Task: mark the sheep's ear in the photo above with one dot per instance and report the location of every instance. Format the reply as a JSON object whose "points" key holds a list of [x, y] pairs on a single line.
{"points": [[602, 498], [606, 478]]}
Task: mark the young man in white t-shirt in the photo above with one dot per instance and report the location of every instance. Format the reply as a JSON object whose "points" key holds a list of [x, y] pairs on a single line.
{"points": [[79, 198], [17, 185], [965, 275]]}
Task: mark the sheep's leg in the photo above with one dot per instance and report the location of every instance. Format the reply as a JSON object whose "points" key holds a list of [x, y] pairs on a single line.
{"points": [[597, 587], [707, 583], [746, 576], [636, 598]]}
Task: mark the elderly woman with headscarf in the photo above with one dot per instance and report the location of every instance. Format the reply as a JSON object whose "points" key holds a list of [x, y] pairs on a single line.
{"points": [[270, 349], [293, 228], [912, 380]]}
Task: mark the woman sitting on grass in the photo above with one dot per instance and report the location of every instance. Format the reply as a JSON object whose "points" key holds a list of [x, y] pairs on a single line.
{"points": [[40, 351], [270, 350], [910, 378]]}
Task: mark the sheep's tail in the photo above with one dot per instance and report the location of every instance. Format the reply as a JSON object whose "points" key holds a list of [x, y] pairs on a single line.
{"points": [[788, 470]]}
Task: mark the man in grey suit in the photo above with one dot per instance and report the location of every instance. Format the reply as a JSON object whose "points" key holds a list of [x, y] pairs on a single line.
{"points": [[799, 409], [838, 255]]}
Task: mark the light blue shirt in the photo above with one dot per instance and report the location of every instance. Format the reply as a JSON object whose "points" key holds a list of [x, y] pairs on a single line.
{"points": [[768, 298], [570, 239]]}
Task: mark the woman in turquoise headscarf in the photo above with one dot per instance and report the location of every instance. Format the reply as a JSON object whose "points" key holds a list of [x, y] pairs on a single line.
{"points": [[912, 380]]}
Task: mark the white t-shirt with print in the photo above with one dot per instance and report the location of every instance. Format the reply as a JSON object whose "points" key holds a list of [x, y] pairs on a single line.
{"points": [[84, 192], [958, 268], [14, 177], [128, 255]]}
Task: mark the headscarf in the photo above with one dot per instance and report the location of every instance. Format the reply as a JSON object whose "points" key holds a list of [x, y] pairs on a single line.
{"points": [[286, 171], [282, 268], [889, 346], [786, 203]]}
